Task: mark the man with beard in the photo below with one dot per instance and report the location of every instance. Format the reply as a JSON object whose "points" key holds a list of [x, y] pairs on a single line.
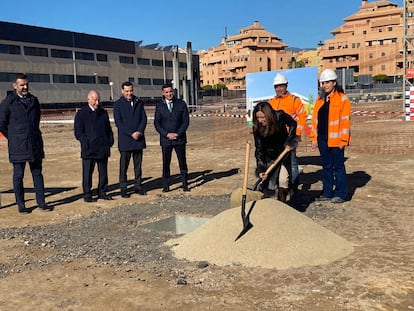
{"points": [[19, 123]]}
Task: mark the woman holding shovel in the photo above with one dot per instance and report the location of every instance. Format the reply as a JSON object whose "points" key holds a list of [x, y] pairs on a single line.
{"points": [[274, 136]]}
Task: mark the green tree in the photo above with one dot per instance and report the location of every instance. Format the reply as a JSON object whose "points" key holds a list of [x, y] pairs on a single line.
{"points": [[380, 78]]}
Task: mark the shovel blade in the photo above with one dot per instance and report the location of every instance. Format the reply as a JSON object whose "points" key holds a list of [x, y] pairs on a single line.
{"points": [[246, 228]]}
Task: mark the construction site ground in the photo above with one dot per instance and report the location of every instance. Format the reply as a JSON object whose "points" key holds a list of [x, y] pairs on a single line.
{"points": [[99, 256]]}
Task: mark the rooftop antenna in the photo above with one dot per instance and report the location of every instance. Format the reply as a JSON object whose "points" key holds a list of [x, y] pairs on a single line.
{"points": [[225, 32]]}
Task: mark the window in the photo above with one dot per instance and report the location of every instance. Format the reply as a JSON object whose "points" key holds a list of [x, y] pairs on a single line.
{"points": [[157, 62], [38, 77], [7, 76], [383, 54], [143, 61], [84, 56], [370, 55], [63, 79], [383, 67], [34, 51], [126, 59], [144, 81], [131, 79], [371, 68], [9, 49], [157, 81], [85, 79], [102, 80], [61, 53], [182, 65], [168, 63], [389, 28], [101, 57]]}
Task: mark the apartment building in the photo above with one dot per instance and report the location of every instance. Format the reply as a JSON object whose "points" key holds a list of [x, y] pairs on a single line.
{"points": [[63, 66], [370, 42], [310, 58], [252, 50]]}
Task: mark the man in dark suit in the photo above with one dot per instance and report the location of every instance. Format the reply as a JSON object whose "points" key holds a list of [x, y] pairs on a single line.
{"points": [[171, 122], [93, 130], [131, 121], [19, 123]]}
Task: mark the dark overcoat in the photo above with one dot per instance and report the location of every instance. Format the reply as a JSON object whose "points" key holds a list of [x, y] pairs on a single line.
{"points": [[19, 123], [93, 130]]}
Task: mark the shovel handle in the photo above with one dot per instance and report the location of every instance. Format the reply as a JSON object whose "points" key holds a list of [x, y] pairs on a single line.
{"points": [[246, 168], [276, 162]]}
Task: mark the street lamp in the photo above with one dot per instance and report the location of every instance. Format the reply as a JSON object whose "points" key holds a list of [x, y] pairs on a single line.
{"points": [[112, 91]]}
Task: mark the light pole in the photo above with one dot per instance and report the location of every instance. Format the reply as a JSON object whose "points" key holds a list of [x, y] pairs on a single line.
{"points": [[112, 91]]}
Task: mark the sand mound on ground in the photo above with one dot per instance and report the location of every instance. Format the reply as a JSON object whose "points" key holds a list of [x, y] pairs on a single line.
{"points": [[281, 238]]}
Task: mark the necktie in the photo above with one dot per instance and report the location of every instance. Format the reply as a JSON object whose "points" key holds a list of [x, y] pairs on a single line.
{"points": [[170, 106]]}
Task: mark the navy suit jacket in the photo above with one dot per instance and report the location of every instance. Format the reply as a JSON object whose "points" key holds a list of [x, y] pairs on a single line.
{"points": [[128, 120], [176, 121]]}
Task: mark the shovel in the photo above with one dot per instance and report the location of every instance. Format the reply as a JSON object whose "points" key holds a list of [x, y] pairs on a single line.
{"points": [[293, 144], [247, 225]]}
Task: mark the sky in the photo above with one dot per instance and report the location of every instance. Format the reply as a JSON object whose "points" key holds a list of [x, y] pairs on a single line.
{"points": [[298, 23]]}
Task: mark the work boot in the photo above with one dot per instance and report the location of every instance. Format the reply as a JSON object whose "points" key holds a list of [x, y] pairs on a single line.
{"points": [[282, 194]]}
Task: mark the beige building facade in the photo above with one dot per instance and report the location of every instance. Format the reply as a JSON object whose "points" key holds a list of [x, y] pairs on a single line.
{"points": [[370, 41], [252, 50]]}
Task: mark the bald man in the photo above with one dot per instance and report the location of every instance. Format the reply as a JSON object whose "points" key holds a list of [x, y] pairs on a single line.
{"points": [[93, 130]]}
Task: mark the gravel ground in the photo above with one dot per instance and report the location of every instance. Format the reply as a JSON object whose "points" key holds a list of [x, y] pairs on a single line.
{"points": [[117, 235], [100, 257]]}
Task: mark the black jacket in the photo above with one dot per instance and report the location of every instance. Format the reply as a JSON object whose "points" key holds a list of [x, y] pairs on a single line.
{"points": [[129, 120], [19, 123], [176, 121], [93, 130], [268, 148]]}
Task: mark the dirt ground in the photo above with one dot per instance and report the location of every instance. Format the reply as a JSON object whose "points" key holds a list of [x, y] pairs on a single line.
{"points": [[40, 269]]}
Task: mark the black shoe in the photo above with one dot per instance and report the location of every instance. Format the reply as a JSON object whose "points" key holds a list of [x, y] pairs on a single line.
{"points": [[104, 196], [186, 189], [23, 209], [166, 189], [124, 194], [89, 199], [45, 207], [140, 191]]}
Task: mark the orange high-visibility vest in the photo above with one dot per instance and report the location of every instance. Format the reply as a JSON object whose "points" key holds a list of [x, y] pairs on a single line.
{"points": [[339, 120], [293, 106]]}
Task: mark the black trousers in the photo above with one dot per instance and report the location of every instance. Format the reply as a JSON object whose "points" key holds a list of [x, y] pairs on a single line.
{"points": [[88, 166], [166, 162], [123, 168], [38, 182]]}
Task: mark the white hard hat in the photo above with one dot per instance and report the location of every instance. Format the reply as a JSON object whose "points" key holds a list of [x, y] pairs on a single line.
{"points": [[279, 79], [328, 75]]}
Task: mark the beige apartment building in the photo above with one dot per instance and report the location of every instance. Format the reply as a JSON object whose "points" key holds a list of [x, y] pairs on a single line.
{"points": [[370, 41], [310, 58], [252, 50]]}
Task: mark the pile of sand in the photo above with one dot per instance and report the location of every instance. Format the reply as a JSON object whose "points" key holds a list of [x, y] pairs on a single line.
{"points": [[280, 238]]}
